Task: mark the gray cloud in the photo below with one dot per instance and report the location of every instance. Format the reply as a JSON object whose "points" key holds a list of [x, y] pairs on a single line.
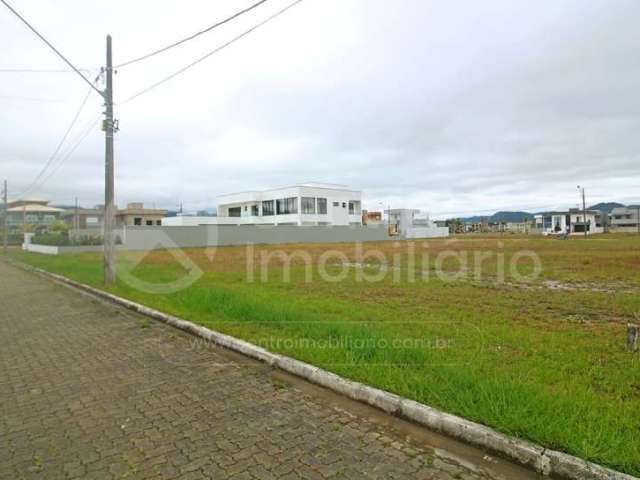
{"points": [[445, 106]]}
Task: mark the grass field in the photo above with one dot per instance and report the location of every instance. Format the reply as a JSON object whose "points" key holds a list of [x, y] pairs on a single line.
{"points": [[541, 357]]}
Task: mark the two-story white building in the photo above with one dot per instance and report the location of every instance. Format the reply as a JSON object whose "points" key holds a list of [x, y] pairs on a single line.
{"points": [[571, 222], [305, 204]]}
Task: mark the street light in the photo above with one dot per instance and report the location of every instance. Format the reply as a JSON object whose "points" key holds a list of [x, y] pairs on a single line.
{"points": [[584, 211]]}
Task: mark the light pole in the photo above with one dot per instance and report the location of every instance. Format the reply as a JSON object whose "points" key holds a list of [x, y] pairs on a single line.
{"points": [[584, 211]]}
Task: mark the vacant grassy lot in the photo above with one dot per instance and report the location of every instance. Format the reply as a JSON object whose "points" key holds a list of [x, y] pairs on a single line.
{"points": [[530, 340]]}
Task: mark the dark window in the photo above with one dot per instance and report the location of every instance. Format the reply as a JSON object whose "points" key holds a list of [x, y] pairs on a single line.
{"points": [[267, 208], [344, 205], [158, 222], [255, 211], [308, 205], [137, 221], [322, 206], [286, 206], [336, 204], [235, 212], [149, 222]]}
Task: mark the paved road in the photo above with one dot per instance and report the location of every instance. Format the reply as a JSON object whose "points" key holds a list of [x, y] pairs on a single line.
{"points": [[89, 390]]}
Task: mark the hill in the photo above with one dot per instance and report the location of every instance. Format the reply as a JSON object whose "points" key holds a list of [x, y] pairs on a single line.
{"points": [[504, 216], [606, 207]]}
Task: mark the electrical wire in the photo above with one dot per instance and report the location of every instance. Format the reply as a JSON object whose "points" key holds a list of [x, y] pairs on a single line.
{"points": [[59, 146], [89, 128], [203, 58], [191, 37], [51, 47]]}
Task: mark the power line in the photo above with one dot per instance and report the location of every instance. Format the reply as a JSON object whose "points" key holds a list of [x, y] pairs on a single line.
{"points": [[191, 37], [59, 146], [89, 128], [203, 58], [51, 46]]}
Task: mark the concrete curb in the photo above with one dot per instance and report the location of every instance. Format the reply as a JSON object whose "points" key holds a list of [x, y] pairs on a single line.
{"points": [[541, 460]]}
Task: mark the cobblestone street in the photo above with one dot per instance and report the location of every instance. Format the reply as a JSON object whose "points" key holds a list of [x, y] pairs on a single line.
{"points": [[92, 391]]}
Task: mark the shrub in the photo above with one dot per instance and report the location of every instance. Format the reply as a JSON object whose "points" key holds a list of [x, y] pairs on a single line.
{"points": [[63, 240], [53, 239]]}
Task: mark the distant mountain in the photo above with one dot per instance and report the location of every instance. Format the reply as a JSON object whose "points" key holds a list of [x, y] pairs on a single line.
{"points": [[606, 207], [500, 217]]}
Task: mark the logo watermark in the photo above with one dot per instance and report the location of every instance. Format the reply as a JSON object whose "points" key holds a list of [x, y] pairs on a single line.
{"points": [[408, 262]]}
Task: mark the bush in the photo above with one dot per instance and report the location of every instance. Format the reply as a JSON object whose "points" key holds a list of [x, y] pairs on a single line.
{"points": [[53, 239], [63, 240]]}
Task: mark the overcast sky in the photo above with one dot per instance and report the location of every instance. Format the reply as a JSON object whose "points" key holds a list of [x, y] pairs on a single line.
{"points": [[453, 107]]}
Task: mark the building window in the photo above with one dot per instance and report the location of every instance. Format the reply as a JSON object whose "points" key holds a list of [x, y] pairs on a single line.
{"points": [[344, 204], [137, 221], [267, 208], [336, 204], [354, 207], [286, 206], [322, 206], [149, 223], [158, 222], [235, 212], [255, 211], [245, 208], [308, 205]]}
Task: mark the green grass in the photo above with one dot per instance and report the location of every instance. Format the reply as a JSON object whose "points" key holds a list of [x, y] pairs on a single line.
{"points": [[541, 364]]}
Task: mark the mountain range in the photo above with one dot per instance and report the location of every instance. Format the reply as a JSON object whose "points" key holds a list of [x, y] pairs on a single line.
{"points": [[520, 216]]}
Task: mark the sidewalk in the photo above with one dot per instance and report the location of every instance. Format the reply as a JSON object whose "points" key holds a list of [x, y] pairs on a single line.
{"points": [[90, 390]]}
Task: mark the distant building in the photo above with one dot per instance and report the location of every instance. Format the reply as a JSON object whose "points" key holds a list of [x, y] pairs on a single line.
{"points": [[517, 227], [137, 215], [83, 218], [371, 218], [571, 221], [408, 223], [305, 204], [31, 213], [625, 218]]}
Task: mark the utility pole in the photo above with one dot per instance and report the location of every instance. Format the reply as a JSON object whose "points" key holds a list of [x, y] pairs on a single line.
{"points": [[584, 211], [109, 205], [4, 218], [76, 219], [637, 216]]}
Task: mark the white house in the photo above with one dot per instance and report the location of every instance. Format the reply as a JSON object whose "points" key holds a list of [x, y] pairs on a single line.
{"points": [[305, 204], [571, 221], [409, 223]]}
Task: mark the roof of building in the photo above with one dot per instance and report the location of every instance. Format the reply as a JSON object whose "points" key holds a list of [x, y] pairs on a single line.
{"points": [[82, 211], [141, 211], [326, 186], [35, 208]]}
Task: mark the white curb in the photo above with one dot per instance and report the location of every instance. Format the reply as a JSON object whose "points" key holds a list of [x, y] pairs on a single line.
{"points": [[541, 460]]}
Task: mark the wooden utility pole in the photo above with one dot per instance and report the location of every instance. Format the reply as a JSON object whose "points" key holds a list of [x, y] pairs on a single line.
{"points": [[109, 203], [5, 224]]}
